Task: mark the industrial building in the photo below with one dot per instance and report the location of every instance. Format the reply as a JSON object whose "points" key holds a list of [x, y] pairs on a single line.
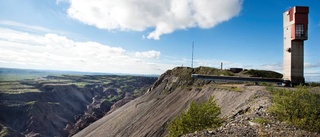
{"points": [[295, 25]]}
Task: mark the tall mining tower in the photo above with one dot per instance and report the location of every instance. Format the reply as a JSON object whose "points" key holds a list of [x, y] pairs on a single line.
{"points": [[295, 24]]}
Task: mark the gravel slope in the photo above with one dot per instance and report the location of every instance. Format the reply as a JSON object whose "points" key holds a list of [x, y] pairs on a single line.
{"points": [[149, 114]]}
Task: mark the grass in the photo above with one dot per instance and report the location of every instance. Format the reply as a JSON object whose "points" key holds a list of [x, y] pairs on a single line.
{"points": [[15, 87], [4, 131], [165, 92], [80, 84], [212, 71], [54, 103], [31, 102], [262, 73], [260, 121], [15, 77], [235, 88]]}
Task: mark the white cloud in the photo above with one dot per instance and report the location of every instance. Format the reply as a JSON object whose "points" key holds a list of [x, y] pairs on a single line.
{"points": [[61, 1], [165, 16], [310, 65], [23, 26], [274, 67], [148, 54], [52, 51]]}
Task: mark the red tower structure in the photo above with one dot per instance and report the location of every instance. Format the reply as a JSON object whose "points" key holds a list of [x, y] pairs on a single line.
{"points": [[295, 24]]}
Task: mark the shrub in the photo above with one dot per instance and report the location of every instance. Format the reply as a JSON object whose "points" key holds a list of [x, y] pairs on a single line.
{"points": [[299, 107], [260, 120], [198, 117]]}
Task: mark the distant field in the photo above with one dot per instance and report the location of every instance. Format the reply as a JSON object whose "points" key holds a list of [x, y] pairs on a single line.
{"points": [[12, 74], [14, 77], [20, 74]]}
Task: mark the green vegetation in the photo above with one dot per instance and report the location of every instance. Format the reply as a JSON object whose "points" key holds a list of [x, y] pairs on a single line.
{"points": [[4, 131], [54, 103], [230, 88], [314, 84], [12, 74], [213, 71], [15, 87], [299, 107], [165, 92], [31, 102], [79, 84], [260, 120], [198, 117], [114, 99], [262, 73], [185, 73]]}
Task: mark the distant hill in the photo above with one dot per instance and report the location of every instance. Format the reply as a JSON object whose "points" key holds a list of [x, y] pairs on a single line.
{"points": [[12, 74]]}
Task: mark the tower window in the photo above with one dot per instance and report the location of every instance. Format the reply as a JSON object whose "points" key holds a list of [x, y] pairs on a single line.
{"points": [[299, 30]]}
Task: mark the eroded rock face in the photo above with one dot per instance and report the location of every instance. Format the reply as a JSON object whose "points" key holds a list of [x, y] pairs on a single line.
{"points": [[62, 108], [42, 113]]}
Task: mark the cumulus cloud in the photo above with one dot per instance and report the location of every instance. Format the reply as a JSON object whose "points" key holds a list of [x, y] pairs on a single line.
{"points": [[148, 54], [164, 17], [52, 51]]}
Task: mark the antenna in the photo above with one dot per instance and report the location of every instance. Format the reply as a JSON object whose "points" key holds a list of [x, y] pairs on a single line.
{"points": [[192, 55]]}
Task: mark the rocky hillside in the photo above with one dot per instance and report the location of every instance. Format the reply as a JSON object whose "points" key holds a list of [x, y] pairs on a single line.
{"points": [[170, 94], [63, 105], [243, 107]]}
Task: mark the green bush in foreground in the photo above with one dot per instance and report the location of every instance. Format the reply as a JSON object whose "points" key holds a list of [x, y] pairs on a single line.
{"points": [[198, 117], [299, 107]]}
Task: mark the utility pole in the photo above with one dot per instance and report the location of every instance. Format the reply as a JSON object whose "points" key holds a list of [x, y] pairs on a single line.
{"points": [[192, 55]]}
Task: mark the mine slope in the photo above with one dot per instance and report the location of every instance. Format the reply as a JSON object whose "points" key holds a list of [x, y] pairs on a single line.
{"points": [[172, 93], [63, 105]]}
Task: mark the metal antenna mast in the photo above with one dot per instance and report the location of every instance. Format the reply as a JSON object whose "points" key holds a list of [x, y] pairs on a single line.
{"points": [[192, 55]]}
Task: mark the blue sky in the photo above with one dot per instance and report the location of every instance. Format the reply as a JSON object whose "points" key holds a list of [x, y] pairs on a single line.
{"points": [[144, 37]]}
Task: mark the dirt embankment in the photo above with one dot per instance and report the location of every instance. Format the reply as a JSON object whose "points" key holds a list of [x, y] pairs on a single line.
{"points": [[149, 114]]}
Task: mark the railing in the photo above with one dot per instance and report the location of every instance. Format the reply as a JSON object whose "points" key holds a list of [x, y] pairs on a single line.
{"points": [[243, 79]]}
